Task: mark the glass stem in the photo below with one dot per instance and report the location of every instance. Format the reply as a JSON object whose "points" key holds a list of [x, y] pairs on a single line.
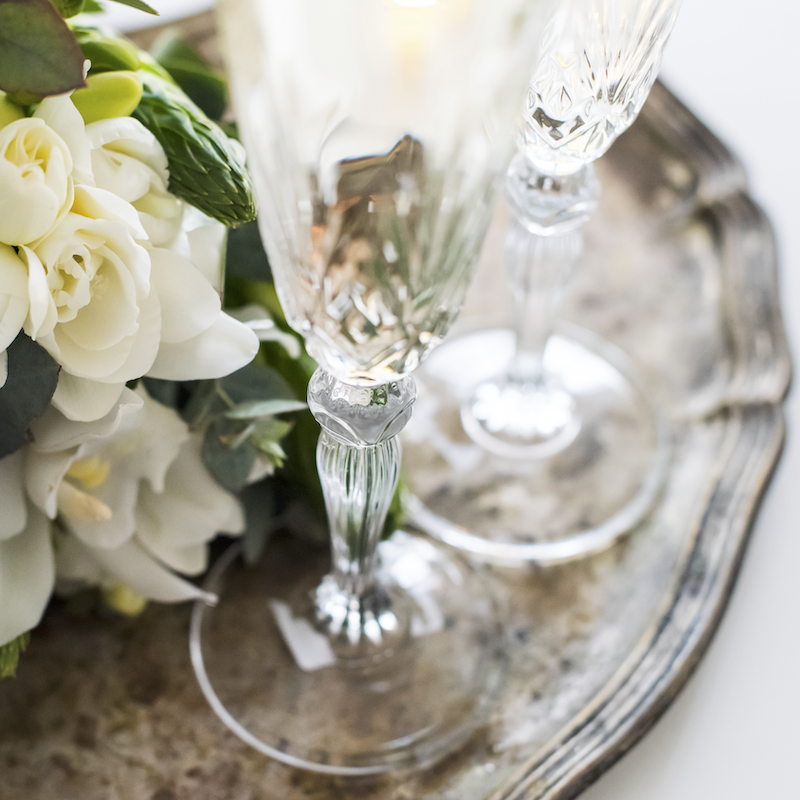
{"points": [[358, 458], [540, 269], [358, 484]]}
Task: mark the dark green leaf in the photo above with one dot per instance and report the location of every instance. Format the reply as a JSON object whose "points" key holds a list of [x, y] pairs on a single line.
{"points": [[202, 83], [92, 7], [259, 514], [10, 653], [263, 408], [245, 257], [230, 466], [38, 52], [205, 166], [138, 5], [31, 382]]}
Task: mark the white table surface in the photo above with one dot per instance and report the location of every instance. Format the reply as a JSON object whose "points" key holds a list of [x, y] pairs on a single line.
{"points": [[734, 732]]}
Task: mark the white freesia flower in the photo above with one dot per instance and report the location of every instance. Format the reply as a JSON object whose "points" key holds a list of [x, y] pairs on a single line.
{"points": [[128, 161], [133, 495], [27, 571]]}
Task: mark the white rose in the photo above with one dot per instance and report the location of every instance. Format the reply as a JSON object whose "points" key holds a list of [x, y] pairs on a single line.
{"points": [[36, 176], [134, 496], [128, 161], [91, 304]]}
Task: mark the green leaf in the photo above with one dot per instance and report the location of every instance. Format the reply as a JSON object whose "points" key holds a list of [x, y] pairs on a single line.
{"points": [[92, 7], [204, 85], [138, 5], [10, 653], [69, 8], [31, 382], [38, 52], [230, 466], [256, 382], [206, 168], [264, 408], [259, 514]]}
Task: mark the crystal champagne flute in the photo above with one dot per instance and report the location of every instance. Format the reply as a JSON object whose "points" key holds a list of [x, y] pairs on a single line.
{"points": [[530, 446], [375, 132]]}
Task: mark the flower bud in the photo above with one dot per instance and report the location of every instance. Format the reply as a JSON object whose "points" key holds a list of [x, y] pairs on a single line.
{"points": [[108, 94]]}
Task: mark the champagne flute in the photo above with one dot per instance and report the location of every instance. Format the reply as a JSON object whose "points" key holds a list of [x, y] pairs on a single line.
{"points": [[374, 132], [530, 446]]}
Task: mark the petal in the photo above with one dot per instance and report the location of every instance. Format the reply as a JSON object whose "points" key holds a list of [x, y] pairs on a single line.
{"points": [[27, 575], [61, 115], [13, 295], [44, 473], [207, 240], [54, 431], [189, 304], [42, 313], [163, 434], [3, 368], [14, 516], [225, 347], [190, 511], [132, 565], [85, 400], [128, 136]]}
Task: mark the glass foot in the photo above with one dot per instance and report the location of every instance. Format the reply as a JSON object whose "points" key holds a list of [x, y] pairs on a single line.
{"points": [[286, 683], [510, 500]]}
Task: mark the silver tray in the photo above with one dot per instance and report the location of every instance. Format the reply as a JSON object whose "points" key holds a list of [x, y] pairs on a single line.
{"points": [[681, 275]]}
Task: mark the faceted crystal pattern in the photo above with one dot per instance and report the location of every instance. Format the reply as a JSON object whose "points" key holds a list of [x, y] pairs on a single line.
{"points": [[375, 140], [599, 61]]}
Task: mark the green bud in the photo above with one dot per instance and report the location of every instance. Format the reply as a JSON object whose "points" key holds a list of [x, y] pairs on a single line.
{"points": [[108, 94], [106, 53], [8, 111]]}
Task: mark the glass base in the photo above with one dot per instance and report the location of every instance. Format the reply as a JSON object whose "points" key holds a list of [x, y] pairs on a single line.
{"points": [[324, 703], [547, 502]]}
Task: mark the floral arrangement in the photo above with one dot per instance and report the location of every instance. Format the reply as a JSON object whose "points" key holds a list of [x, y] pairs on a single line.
{"points": [[135, 424]]}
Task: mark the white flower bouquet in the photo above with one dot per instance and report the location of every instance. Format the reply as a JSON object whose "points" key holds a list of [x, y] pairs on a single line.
{"points": [[116, 191]]}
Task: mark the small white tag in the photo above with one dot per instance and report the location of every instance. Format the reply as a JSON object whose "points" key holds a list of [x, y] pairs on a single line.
{"points": [[310, 649]]}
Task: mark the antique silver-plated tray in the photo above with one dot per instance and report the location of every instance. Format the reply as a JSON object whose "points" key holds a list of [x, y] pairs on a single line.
{"points": [[681, 274]]}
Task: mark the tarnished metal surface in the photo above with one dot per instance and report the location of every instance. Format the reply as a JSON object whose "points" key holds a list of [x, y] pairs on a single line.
{"points": [[682, 275]]}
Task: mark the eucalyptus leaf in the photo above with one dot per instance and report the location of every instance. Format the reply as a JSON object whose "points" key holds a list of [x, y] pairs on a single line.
{"points": [[257, 382], [10, 653], [259, 514], [230, 466], [263, 408], [38, 53], [31, 383]]}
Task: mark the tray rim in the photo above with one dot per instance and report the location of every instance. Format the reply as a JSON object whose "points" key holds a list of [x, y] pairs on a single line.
{"points": [[650, 678]]}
